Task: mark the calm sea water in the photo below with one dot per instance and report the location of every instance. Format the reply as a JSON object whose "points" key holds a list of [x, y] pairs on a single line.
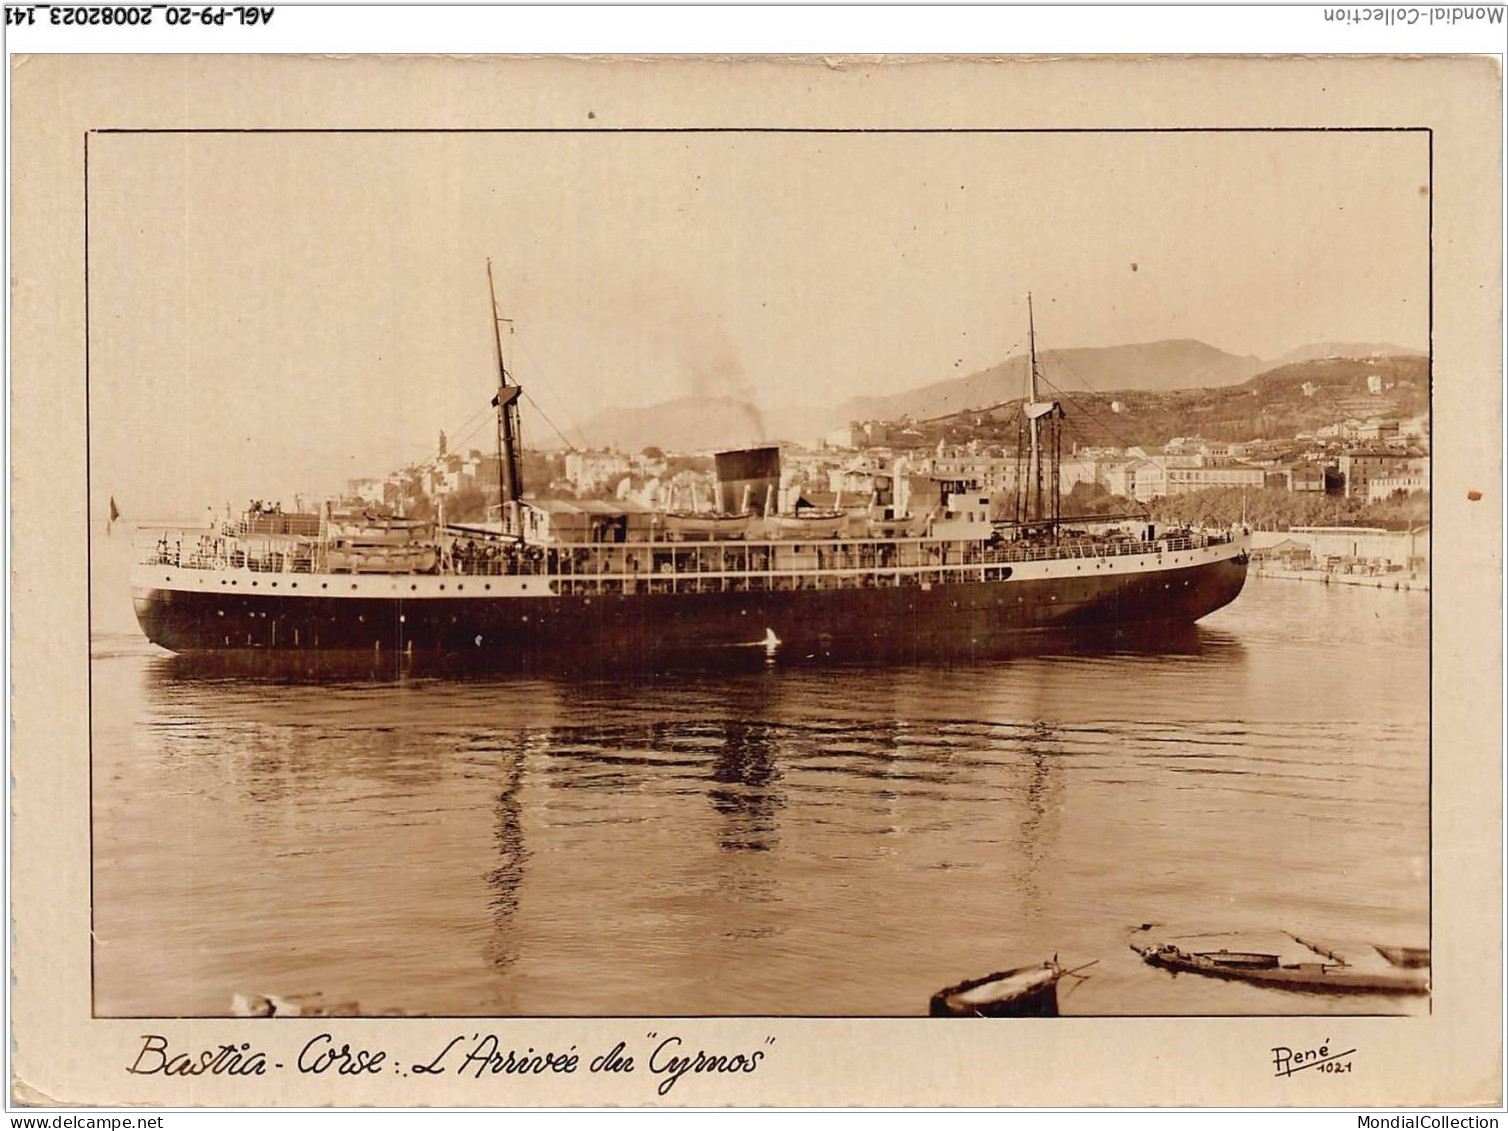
{"points": [[785, 839]]}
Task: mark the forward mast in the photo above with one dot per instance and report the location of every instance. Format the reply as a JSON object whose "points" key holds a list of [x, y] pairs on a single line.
{"points": [[510, 483]]}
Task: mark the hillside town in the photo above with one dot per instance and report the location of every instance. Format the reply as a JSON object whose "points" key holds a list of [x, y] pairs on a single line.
{"points": [[1368, 461], [1358, 475]]}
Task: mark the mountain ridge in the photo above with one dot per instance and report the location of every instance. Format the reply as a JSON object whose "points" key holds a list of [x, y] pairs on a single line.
{"points": [[701, 423]]}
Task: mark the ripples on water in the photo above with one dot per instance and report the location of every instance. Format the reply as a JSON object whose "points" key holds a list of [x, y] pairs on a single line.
{"points": [[783, 839]]}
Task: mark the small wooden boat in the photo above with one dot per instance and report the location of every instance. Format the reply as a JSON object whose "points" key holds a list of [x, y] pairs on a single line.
{"points": [[1245, 959], [1266, 969], [689, 524], [806, 524], [376, 530], [1027, 991], [347, 558], [1405, 957]]}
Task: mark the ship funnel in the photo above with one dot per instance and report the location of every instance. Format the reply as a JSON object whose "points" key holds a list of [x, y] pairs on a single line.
{"points": [[747, 478]]}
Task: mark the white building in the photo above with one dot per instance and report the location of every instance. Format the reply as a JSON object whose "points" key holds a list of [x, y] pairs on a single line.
{"points": [[1182, 480], [1072, 472], [590, 471], [1139, 479], [1403, 480]]}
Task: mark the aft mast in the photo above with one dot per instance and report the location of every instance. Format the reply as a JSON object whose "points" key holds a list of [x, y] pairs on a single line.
{"points": [[1040, 496], [509, 469], [1034, 483]]}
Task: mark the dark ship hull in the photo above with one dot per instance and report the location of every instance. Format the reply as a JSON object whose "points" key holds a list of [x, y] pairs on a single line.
{"points": [[984, 616]]}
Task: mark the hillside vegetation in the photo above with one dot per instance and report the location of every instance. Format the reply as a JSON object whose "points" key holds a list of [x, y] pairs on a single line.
{"points": [[1274, 509], [1270, 406]]}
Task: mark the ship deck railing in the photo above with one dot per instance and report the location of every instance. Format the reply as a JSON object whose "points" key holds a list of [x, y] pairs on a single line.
{"points": [[832, 555], [668, 566]]}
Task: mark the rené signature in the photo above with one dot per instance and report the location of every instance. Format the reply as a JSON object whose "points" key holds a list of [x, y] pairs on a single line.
{"points": [[1287, 1061]]}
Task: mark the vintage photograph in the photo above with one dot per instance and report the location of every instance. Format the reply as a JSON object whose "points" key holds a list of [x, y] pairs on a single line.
{"points": [[603, 571]]}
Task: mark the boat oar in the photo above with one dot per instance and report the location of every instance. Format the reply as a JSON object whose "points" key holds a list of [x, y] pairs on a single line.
{"points": [[1321, 951], [1074, 973]]}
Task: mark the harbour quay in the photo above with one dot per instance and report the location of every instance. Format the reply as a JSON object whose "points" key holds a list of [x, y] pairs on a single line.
{"points": [[1345, 555]]}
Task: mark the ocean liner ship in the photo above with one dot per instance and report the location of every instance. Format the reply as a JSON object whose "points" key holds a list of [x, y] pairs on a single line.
{"points": [[928, 563]]}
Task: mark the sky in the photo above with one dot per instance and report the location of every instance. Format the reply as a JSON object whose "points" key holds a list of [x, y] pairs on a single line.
{"points": [[274, 313]]}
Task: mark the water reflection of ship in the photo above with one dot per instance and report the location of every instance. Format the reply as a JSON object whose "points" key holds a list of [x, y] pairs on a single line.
{"points": [[740, 779], [746, 792], [511, 861], [1041, 746]]}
